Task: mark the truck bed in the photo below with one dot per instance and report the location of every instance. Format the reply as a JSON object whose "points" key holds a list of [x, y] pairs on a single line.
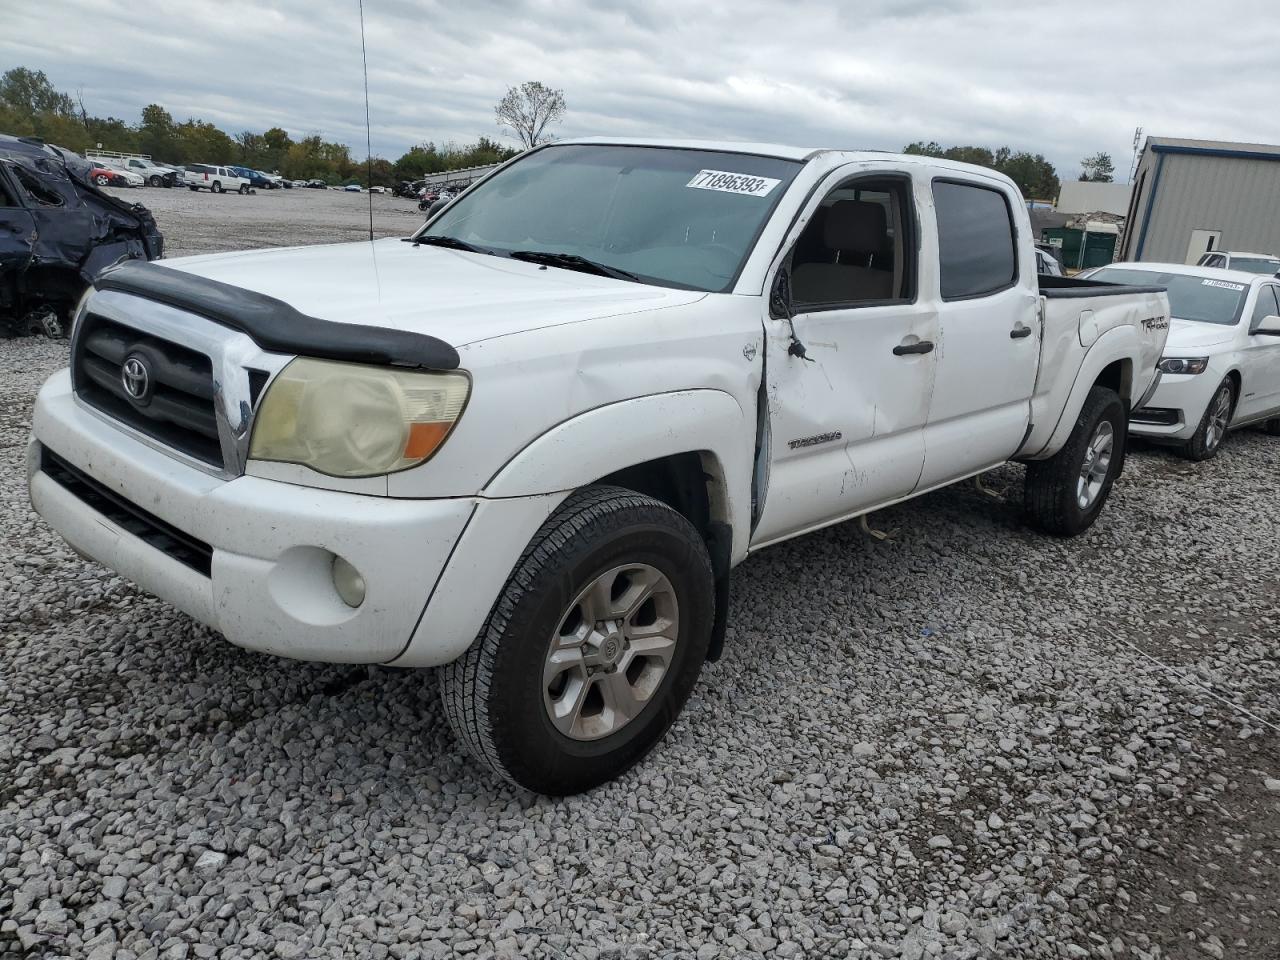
{"points": [[1065, 288]]}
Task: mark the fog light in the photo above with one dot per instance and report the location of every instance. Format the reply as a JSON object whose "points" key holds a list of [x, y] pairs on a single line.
{"points": [[348, 582]]}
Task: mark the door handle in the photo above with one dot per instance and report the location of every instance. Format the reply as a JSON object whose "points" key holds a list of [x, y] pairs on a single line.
{"points": [[1018, 332], [920, 346]]}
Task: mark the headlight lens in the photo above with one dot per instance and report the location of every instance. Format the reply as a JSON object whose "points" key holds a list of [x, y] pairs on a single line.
{"points": [[1184, 364], [350, 420]]}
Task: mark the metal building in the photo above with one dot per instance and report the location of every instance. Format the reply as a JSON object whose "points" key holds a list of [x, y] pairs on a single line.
{"points": [[1191, 196]]}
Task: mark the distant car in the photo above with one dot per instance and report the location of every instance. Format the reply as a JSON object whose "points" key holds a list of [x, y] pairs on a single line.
{"points": [[108, 177], [353, 188], [131, 179], [214, 178], [315, 184], [1263, 263], [377, 189], [155, 174], [1221, 364], [257, 179]]}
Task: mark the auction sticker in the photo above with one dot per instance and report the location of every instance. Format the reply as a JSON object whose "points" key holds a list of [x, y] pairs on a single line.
{"points": [[1223, 284], [727, 182]]}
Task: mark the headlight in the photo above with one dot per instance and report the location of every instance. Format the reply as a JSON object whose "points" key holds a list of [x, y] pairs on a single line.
{"points": [[350, 420], [1184, 364]]}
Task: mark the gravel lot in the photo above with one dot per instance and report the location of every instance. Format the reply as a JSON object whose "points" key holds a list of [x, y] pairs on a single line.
{"points": [[951, 745]]}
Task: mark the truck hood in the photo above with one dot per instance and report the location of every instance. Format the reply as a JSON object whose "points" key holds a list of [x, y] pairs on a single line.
{"points": [[1192, 335], [457, 296]]}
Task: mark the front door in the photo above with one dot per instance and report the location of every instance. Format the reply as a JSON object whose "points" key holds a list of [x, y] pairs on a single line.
{"points": [[848, 379], [1260, 360], [17, 233], [989, 344]]}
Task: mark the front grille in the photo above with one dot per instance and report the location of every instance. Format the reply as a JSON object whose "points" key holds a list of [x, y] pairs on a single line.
{"points": [[1158, 416], [147, 527], [178, 406]]}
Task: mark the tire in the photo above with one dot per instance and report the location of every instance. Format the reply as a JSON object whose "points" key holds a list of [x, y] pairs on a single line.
{"points": [[244, 189], [102, 180], [1207, 440], [1272, 427], [156, 181], [194, 189], [1057, 498], [216, 187], [497, 695]]}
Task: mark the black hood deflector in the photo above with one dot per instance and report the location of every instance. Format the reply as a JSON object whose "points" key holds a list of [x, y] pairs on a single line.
{"points": [[273, 324]]}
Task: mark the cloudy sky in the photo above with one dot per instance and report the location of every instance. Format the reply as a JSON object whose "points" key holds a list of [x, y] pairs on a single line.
{"points": [[1062, 78]]}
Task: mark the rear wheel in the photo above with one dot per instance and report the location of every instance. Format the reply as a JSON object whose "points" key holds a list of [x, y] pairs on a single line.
{"points": [[1273, 427], [1064, 494], [592, 647], [217, 187], [1207, 439]]}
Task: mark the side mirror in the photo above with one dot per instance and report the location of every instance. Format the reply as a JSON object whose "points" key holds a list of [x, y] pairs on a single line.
{"points": [[780, 303], [1268, 327]]}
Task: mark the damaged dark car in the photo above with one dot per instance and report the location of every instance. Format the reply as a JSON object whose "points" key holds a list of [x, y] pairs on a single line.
{"points": [[57, 230]]}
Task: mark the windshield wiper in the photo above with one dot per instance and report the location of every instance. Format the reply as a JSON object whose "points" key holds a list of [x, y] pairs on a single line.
{"points": [[571, 261], [453, 243]]}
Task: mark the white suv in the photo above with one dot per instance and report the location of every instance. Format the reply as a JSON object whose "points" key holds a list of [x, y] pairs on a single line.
{"points": [[203, 176], [1263, 263]]}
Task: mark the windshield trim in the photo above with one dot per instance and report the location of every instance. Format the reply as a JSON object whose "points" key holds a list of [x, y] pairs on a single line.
{"points": [[748, 251]]}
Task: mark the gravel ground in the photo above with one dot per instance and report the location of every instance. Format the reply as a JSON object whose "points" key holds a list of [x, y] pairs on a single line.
{"points": [[951, 745]]}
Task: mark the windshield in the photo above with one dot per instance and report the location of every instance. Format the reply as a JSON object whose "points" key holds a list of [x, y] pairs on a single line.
{"points": [[1191, 297], [1255, 265], [681, 218]]}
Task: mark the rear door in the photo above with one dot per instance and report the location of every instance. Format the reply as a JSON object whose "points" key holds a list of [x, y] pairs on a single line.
{"points": [[848, 377], [17, 231], [989, 343]]}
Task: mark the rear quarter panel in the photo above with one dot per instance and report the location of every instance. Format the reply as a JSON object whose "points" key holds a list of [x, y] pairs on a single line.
{"points": [[1081, 337]]}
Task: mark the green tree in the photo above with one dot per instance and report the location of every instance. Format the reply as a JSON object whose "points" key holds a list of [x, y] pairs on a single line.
{"points": [[1034, 175], [30, 94], [1098, 168]]}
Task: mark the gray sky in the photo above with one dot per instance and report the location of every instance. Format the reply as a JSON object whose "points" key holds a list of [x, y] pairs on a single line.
{"points": [[1065, 79]]}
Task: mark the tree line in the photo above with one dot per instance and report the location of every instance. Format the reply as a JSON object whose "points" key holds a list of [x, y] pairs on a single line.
{"points": [[31, 106]]}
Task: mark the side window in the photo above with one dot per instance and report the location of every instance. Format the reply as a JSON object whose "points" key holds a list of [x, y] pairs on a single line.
{"points": [[6, 199], [1267, 306], [43, 195], [858, 248], [976, 246]]}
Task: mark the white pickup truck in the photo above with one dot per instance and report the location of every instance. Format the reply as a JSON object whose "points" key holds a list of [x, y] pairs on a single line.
{"points": [[527, 445]]}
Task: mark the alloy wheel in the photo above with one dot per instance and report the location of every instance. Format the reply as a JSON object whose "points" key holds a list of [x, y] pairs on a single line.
{"points": [[1096, 464]]}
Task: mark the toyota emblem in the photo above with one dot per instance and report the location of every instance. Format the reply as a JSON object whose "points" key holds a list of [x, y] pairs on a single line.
{"points": [[136, 378]]}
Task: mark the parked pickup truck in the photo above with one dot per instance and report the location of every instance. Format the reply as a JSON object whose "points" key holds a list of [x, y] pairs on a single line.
{"points": [[527, 444]]}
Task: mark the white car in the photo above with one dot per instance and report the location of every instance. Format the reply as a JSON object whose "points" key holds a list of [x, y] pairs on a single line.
{"points": [[214, 178], [155, 175], [1047, 264], [528, 445], [131, 178], [1221, 368], [1263, 263]]}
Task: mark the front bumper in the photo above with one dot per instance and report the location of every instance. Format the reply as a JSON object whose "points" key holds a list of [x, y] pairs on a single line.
{"points": [[268, 585], [1176, 408]]}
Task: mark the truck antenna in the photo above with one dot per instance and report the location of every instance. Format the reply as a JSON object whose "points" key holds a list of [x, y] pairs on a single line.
{"points": [[368, 128]]}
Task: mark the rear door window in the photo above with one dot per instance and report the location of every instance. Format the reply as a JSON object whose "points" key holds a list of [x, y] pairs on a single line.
{"points": [[976, 247]]}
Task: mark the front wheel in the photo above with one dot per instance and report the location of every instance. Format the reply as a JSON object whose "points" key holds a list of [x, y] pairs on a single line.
{"points": [[592, 647], [1064, 494], [156, 182], [244, 189], [102, 180], [1207, 439]]}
